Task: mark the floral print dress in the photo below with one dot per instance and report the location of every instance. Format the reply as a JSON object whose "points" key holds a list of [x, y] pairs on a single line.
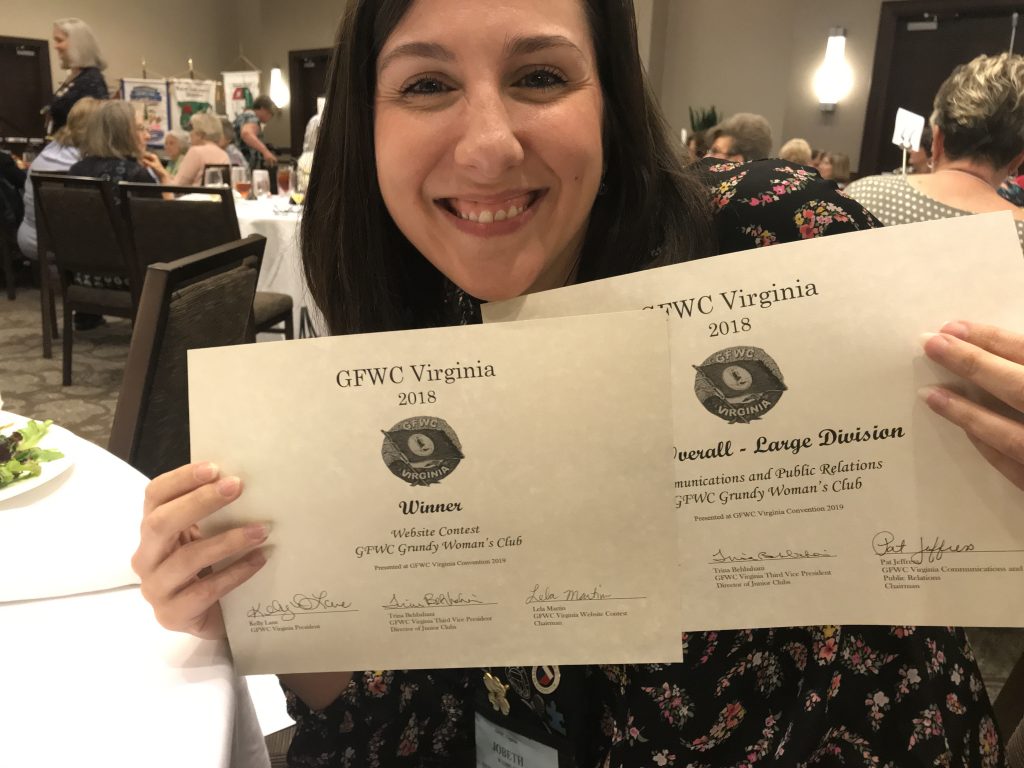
{"points": [[857, 696]]}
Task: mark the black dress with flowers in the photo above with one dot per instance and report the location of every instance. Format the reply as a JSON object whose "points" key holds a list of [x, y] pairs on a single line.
{"points": [[858, 696]]}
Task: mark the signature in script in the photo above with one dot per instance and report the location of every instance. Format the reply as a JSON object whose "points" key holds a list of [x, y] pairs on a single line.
{"points": [[721, 557], [545, 594], [434, 600], [885, 543], [316, 602]]}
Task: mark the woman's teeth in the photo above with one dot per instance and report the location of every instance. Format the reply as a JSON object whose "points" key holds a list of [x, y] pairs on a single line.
{"points": [[487, 217], [489, 214]]}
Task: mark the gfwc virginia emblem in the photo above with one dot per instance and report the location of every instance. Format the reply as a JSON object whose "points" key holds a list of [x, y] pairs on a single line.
{"points": [[422, 450], [739, 384]]}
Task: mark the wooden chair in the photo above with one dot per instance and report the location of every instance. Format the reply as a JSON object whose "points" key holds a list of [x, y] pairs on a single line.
{"points": [[203, 300], [88, 236], [164, 230], [47, 274], [9, 253]]}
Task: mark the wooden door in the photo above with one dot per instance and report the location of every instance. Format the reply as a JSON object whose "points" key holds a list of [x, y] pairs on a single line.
{"points": [[25, 87], [919, 45], [307, 73]]}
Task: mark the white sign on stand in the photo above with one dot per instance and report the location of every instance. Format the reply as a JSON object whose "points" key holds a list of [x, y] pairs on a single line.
{"points": [[907, 133]]}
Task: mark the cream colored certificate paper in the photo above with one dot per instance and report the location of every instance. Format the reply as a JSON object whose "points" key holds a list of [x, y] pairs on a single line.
{"points": [[474, 496], [811, 484]]}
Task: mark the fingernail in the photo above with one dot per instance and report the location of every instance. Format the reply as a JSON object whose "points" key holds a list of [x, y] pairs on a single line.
{"points": [[205, 472], [938, 341], [256, 531], [933, 396], [228, 486], [956, 328], [256, 558]]}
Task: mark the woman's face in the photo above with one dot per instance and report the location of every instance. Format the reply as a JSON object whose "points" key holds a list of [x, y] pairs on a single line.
{"points": [[487, 132], [141, 135], [60, 44], [825, 167], [172, 146]]}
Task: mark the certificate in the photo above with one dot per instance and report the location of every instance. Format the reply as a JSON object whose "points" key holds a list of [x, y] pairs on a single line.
{"points": [[469, 496], [812, 486]]}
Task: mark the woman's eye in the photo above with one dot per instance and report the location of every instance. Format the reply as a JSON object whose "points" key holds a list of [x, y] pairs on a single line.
{"points": [[426, 86], [542, 79]]}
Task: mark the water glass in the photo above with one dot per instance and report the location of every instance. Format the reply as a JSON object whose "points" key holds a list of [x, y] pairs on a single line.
{"points": [[214, 177], [260, 183]]}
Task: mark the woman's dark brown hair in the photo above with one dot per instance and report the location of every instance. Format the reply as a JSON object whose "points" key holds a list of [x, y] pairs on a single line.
{"points": [[366, 276]]}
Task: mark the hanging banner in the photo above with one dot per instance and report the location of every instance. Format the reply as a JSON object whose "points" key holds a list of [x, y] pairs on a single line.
{"points": [[190, 97], [151, 101], [240, 90]]}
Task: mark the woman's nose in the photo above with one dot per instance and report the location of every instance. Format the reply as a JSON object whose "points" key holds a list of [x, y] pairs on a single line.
{"points": [[488, 143]]}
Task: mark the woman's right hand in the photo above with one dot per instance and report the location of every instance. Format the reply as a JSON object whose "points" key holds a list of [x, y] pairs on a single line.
{"points": [[173, 559]]}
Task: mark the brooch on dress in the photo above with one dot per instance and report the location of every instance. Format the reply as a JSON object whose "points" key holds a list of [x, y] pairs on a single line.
{"points": [[497, 693]]}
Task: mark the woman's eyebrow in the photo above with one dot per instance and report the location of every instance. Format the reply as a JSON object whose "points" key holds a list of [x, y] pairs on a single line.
{"points": [[524, 45], [514, 46], [418, 50]]}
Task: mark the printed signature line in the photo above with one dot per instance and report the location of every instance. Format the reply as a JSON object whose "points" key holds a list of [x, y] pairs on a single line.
{"points": [[431, 607]]}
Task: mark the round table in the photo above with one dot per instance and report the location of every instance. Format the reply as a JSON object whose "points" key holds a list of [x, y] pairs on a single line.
{"points": [[90, 678]]}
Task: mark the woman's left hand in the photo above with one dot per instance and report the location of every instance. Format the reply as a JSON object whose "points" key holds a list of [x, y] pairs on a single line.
{"points": [[992, 358]]}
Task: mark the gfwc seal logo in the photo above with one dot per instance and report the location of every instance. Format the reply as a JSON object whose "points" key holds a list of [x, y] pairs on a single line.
{"points": [[739, 384], [422, 450]]}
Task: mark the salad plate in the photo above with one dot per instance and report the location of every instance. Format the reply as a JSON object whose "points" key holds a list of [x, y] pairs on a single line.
{"points": [[55, 439]]}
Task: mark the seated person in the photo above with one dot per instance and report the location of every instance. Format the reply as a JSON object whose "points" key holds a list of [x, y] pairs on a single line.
{"points": [[205, 133], [57, 156], [741, 138], [228, 145], [977, 141], [115, 148], [176, 144], [835, 167]]}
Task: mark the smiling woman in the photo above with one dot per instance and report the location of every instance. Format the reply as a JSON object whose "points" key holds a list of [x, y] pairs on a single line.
{"points": [[514, 150]]}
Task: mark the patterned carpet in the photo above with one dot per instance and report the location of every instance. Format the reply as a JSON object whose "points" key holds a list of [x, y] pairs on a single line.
{"points": [[31, 385]]}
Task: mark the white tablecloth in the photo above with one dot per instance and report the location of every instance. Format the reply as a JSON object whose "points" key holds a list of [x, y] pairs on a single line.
{"points": [[89, 677], [282, 261], [75, 533]]}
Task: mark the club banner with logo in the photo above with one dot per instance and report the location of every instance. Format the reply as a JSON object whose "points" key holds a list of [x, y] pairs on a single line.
{"points": [[190, 97], [151, 100], [240, 90]]}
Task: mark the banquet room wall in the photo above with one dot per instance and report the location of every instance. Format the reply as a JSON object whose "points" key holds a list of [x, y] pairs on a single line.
{"points": [[166, 34], [752, 56], [738, 55]]}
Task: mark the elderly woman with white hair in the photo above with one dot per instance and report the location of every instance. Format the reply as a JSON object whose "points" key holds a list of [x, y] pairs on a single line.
{"points": [[205, 134], [176, 144], [78, 52]]}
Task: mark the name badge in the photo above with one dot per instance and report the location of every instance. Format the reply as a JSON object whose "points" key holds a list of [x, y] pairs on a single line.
{"points": [[498, 747]]}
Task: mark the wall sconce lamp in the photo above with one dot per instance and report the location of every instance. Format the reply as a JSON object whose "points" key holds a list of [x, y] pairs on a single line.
{"points": [[834, 78], [279, 91]]}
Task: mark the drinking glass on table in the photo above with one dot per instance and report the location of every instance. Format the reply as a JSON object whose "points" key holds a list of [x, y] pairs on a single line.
{"points": [[214, 177], [241, 181], [260, 184], [284, 178]]}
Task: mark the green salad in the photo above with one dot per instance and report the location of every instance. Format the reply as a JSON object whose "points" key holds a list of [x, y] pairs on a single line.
{"points": [[20, 454]]}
